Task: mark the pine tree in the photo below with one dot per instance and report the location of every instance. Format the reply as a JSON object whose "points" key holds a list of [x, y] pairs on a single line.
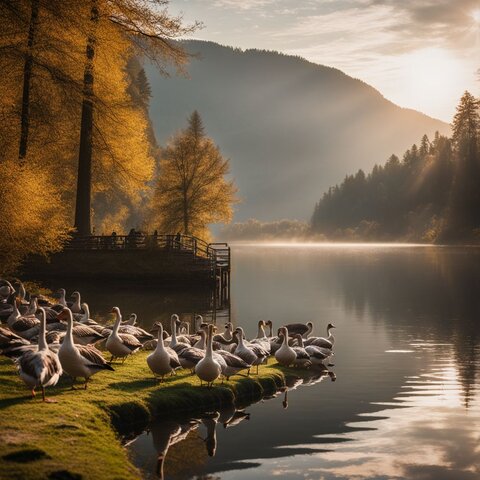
{"points": [[464, 210], [192, 191]]}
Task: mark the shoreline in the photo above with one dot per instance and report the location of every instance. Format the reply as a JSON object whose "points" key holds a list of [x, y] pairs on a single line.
{"points": [[79, 436]]}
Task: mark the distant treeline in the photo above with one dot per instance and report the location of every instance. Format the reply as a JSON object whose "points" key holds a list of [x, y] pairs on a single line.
{"points": [[255, 230], [430, 195]]}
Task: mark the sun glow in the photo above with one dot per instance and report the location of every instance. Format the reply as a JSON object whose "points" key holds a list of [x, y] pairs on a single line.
{"points": [[476, 16]]}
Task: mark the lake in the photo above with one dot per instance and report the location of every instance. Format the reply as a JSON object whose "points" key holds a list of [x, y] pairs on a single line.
{"points": [[404, 403]]}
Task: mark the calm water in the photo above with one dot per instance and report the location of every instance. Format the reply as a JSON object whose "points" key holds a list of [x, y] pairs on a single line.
{"points": [[405, 401]]}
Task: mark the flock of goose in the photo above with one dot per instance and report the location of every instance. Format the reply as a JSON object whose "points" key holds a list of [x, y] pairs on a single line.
{"points": [[48, 339]]}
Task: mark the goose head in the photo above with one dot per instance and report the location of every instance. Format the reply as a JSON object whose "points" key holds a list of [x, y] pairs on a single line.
{"points": [[174, 322], [239, 332], [330, 325], [66, 315], [133, 318], [118, 315], [75, 295]]}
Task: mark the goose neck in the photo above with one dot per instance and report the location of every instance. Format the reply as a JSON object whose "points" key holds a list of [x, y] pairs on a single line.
{"points": [[69, 334], [174, 332], [209, 351], [160, 344], [42, 342], [116, 325]]}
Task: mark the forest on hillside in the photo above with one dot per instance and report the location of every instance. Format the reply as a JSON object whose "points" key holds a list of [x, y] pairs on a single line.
{"points": [[430, 195]]}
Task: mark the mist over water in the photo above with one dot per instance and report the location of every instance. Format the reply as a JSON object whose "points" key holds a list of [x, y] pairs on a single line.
{"points": [[405, 401]]}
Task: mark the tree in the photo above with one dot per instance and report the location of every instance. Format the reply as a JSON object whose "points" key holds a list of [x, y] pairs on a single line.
{"points": [[464, 209], [33, 219], [149, 28], [192, 191]]}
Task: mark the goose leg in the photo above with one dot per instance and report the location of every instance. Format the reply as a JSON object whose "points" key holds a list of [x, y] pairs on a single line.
{"points": [[73, 383], [33, 392], [86, 383], [43, 393]]}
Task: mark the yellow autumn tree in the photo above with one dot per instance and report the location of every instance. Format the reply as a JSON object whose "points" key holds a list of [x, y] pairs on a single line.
{"points": [[33, 219], [192, 190]]}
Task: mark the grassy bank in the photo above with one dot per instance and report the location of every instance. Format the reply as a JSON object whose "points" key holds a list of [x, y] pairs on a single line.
{"points": [[77, 437]]}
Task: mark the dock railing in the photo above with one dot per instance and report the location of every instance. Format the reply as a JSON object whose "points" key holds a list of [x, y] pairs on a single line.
{"points": [[218, 254]]}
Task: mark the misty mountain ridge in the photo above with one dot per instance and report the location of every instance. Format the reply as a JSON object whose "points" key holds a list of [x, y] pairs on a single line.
{"points": [[291, 128]]}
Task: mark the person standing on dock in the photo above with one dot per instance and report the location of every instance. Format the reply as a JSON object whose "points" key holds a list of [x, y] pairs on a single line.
{"points": [[178, 239], [131, 238]]}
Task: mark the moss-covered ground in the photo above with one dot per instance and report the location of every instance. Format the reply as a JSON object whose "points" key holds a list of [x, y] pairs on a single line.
{"points": [[78, 436]]}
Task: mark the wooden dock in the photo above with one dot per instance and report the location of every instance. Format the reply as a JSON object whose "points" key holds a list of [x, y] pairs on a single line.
{"points": [[166, 259]]}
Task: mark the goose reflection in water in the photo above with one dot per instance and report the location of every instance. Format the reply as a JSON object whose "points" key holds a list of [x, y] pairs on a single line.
{"points": [[167, 433], [202, 429]]}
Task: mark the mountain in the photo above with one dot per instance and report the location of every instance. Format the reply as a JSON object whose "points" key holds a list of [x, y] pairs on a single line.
{"points": [[291, 128]]}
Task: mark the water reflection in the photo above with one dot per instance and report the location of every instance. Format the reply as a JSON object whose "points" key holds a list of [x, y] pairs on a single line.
{"points": [[149, 450]]}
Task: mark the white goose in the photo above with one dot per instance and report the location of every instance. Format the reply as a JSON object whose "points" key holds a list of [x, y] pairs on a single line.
{"points": [[25, 326], [208, 369], [132, 320], [77, 303], [40, 368], [285, 355], [227, 336], [121, 345], [61, 297], [174, 343], [230, 363], [79, 360], [321, 341], [187, 355], [252, 354], [85, 316], [261, 338], [164, 359]]}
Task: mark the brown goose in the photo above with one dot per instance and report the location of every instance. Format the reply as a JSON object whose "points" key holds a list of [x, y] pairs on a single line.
{"points": [[40, 368], [303, 329]]}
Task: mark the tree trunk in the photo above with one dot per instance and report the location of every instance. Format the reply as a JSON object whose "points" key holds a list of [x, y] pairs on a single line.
{"points": [[84, 180], [27, 77]]}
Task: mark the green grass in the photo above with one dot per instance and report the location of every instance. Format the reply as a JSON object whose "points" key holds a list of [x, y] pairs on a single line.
{"points": [[78, 436]]}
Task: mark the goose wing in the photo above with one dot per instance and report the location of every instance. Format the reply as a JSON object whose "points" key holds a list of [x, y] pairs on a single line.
{"points": [[7, 337], [192, 354], [83, 331], [233, 360], [130, 341], [316, 352], [93, 356], [301, 353], [320, 342], [174, 361], [259, 350], [23, 324], [41, 365]]}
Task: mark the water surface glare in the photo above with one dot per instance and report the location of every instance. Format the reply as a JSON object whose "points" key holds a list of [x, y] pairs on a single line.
{"points": [[405, 401]]}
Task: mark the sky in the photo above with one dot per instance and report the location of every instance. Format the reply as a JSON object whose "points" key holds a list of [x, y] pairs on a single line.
{"points": [[420, 54]]}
